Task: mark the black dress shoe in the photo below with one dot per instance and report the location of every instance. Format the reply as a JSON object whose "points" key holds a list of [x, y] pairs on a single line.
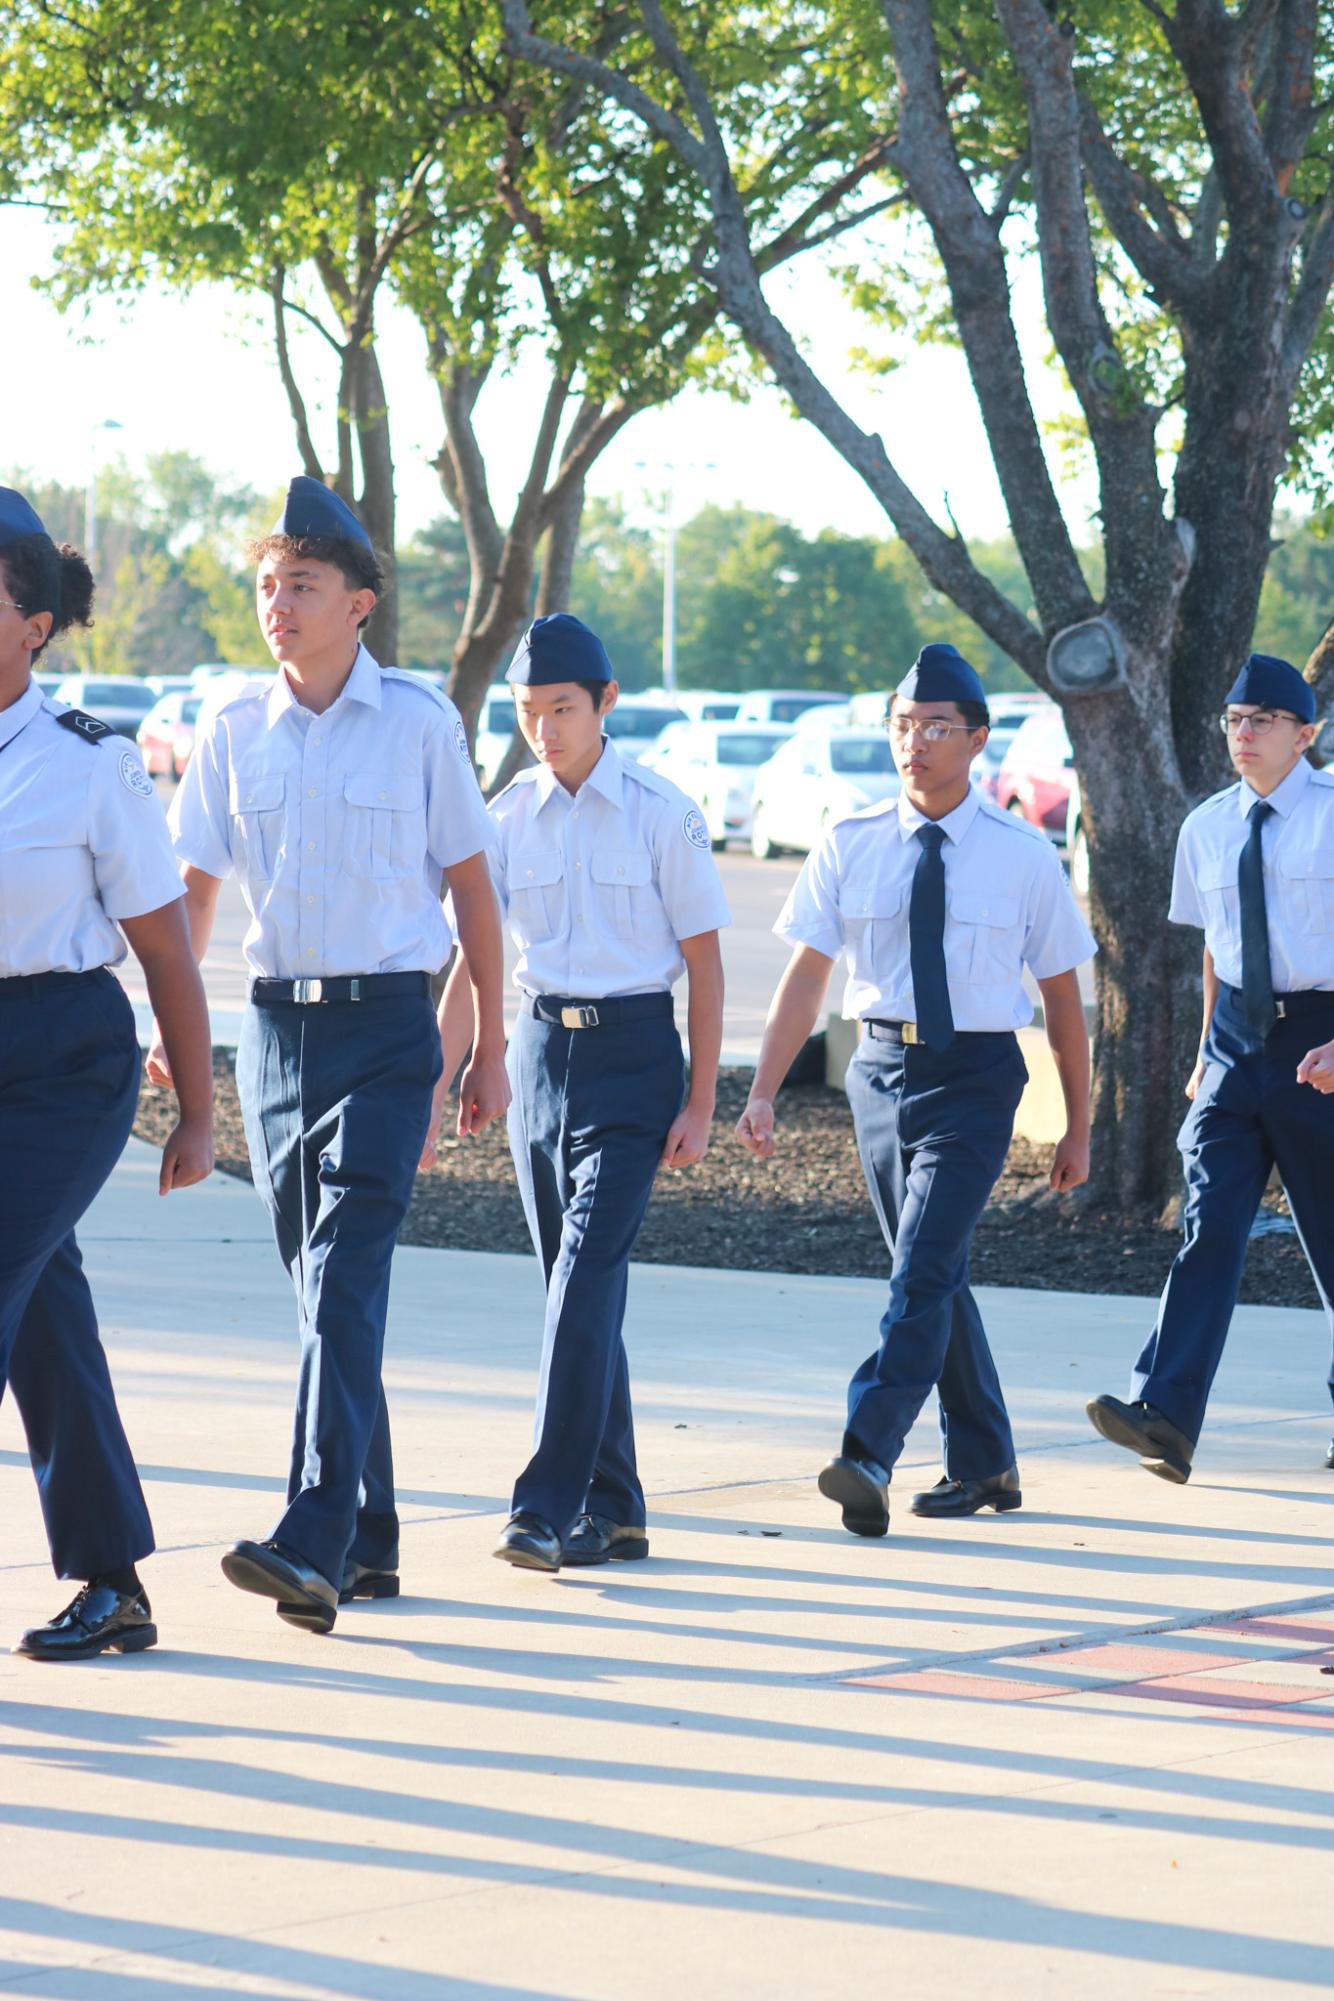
{"points": [[1142, 1428], [529, 1542], [861, 1489], [949, 1498], [305, 1596], [1329, 1456], [363, 1580], [99, 1617], [594, 1539]]}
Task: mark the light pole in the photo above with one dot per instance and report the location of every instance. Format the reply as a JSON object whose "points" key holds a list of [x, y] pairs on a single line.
{"points": [[669, 562], [90, 491]]}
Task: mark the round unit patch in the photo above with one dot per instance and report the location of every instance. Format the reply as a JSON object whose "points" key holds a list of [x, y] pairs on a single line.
{"points": [[460, 738], [695, 830], [134, 778]]}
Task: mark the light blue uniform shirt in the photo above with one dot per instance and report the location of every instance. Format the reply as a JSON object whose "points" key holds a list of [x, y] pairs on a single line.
{"points": [[1297, 850], [83, 843], [599, 887], [337, 826], [1007, 906]]}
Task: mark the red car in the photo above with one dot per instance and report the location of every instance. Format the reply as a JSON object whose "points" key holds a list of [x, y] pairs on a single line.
{"points": [[166, 736], [1038, 771]]}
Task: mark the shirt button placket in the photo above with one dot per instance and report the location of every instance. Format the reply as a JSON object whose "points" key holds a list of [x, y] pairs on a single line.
{"points": [[313, 841]]}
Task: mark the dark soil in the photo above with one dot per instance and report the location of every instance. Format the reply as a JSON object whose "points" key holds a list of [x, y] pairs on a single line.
{"points": [[804, 1211]]}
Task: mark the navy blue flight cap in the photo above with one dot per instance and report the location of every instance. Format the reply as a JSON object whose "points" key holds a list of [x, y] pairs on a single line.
{"points": [[941, 674], [312, 509], [16, 517], [558, 648], [1271, 683]]}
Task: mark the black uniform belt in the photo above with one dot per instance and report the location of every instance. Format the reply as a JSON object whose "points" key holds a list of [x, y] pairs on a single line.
{"points": [[341, 987], [1311, 1000], [568, 1012], [908, 1033], [27, 986]]}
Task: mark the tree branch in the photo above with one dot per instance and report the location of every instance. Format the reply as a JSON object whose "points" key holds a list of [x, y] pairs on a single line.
{"points": [[296, 403], [792, 238], [521, 40], [1162, 261]]}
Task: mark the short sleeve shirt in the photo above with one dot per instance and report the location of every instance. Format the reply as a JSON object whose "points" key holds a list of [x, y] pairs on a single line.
{"points": [[1297, 853], [337, 826], [599, 887], [1007, 906], [83, 843]]}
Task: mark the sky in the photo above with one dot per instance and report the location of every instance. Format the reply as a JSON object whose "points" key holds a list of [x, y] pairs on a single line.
{"points": [[194, 372]]}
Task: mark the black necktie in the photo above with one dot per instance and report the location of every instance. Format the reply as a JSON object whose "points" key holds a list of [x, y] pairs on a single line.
{"points": [[926, 942], [1257, 980]]}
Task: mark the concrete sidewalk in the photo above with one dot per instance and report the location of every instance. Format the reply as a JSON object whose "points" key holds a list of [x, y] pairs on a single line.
{"points": [[1084, 1748]]}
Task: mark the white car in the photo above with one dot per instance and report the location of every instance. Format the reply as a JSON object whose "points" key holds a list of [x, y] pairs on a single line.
{"points": [[637, 721], [780, 705], [707, 705], [717, 764], [496, 724], [815, 779]]}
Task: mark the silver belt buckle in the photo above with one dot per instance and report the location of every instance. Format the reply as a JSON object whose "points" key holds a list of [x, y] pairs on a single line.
{"points": [[307, 990], [578, 1017], [908, 1032]]}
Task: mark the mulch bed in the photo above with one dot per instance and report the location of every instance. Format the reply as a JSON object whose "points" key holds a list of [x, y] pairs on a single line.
{"points": [[804, 1211]]}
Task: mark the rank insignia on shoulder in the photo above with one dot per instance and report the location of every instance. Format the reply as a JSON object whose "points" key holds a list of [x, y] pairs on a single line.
{"points": [[90, 728]]}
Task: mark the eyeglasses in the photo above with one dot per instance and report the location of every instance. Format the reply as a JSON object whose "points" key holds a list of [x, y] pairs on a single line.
{"points": [[931, 731], [9, 602], [1261, 723]]}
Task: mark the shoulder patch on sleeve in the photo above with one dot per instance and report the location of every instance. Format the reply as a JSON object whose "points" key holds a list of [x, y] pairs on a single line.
{"points": [[91, 728], [695, 829], [134, 778]]}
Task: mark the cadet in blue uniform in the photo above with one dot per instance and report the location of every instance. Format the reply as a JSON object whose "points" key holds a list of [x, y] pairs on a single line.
{"points": [[84, 856], [605, 874], [340, 794], [1254, 872], [939, 901]]}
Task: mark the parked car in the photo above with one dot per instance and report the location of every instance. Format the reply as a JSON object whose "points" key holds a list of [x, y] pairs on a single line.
{"points": [[830, 716], [707, 705], [496, 724], [1008, 715], [780, 705], [717, 764], [815, 779], [168, 684], [1038, 771], [166, 736], [120, 700], [637, 721], [48, 683]]}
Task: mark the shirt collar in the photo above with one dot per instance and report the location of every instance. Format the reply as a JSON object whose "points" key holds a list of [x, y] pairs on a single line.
{"points": [[606, 777], [20, 713], [955, 824], [362, 685], [1283, 797]]}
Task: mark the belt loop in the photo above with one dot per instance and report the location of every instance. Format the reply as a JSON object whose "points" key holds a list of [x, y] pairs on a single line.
{"points": [[354, 990]]}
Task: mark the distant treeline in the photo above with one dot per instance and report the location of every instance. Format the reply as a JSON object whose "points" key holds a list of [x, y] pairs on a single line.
{"points": [[758, 603]]}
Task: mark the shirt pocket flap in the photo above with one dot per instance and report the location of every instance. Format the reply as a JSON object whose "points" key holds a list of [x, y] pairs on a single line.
{"points": [[1217, 872], [533, 868], [260, 793], [627, 867], [984, 906], [387, 791], [1303, 867], [871, 900]]}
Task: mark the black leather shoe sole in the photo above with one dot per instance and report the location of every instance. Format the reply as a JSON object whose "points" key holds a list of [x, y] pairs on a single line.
{"points": [[627, 1549], [864, 1513], [1154, 1456], [371, 1584], [526, 1556], [129, 1640], [249, 1574], [942, 1508], [1329, 1458]]}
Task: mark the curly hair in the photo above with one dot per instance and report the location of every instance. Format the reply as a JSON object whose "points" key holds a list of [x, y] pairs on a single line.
{"points": [[40, 576]]}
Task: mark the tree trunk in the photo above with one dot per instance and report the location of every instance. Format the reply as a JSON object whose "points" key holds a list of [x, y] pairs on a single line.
{"points": [[553, 594], [377, 506]]}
